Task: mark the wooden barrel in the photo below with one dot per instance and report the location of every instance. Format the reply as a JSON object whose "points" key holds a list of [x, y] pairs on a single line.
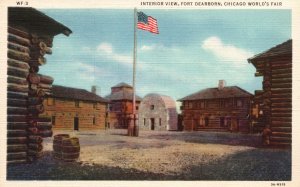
{"points": [[70, 149], [57, 145]]}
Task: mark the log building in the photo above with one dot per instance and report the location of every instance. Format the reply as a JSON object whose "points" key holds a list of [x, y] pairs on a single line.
{"points": [[75, 109], [225, 108], [120, 105], [274, 101], [157, 112], [29, 38]]}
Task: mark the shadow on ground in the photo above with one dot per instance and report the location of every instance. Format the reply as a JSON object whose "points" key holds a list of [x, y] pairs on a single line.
{"points": [[258, 164]]}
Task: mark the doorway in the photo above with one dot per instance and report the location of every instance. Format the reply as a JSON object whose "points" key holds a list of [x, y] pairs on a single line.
{"points": [[76, 124], [206, 121], [222, 121], [152, 123]]}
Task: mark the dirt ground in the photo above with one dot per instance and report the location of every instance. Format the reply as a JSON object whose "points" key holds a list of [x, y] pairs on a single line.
{"points": [[111, 155]]}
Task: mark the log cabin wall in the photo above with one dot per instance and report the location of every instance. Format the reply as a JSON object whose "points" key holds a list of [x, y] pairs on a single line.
{"points": [[28, 42], [275, 65], [226, 109]]}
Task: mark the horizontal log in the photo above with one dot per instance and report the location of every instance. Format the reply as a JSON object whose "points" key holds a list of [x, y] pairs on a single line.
{"points": [[281, 100], [35, 147], [286, 75], [281, 85], [17, 64], [281, 134], [281, 71], [280, 139], [17, 110], [282, 95], [36, 108], [18, 55], [17, 140], [282, 105], [18, 39], [13, 162], [35, 139], [45, 133], [281, 114], [18, 47], [16, 156], [17, 72], [17, 80], [17, 126], [281, 124], [16, 118], [280, 144], [44, 86], [34, 68], [46, 79], [36, 53], [283, 119], [282, 80], [38, 61], [258, 74], [17, 148], [281, 65], [44, 126], [32, 131], [282, 129], [17, 88], [35, 100], [281, 110], [36, 154], [44, 119], [16, 133], [39, 92], [17, 102], [33, 78], [281, 90], [17, 95], [18, 32]]}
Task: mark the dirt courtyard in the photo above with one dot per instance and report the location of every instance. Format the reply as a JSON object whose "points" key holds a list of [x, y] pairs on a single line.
{"points": [[111, 155]]}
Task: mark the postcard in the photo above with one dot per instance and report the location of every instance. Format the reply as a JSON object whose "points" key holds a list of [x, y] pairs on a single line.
{"points": [[149, 93]]}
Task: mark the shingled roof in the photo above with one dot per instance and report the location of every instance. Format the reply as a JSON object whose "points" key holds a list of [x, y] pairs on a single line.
{"points": [[76, 94], [122, 84], [282, 49], [213, 93], [122, 95]]}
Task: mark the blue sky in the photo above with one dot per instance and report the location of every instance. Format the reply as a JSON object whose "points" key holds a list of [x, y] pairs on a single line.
{"points": [[195, 48]]}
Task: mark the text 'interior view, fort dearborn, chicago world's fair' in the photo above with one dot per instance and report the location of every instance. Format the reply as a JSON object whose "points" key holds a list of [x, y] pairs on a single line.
{"points": [[149, 94]]}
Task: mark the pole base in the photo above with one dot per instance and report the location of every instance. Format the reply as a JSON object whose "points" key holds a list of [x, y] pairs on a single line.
{"points": [[133, 128]]}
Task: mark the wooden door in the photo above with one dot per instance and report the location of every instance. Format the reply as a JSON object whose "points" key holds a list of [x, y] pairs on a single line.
{"points": [[152, 123], [76, 124]]}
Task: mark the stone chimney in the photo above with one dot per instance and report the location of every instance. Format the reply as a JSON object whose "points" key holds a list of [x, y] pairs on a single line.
{"points": [[222, 84]]}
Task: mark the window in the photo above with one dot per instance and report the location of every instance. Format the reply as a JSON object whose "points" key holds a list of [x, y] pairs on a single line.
{"points": [[202, 104], [76, 103], [144, 121], [137, 108], [50, 101], [152, 107], [190, 105], [159, 121], [53, 120]]}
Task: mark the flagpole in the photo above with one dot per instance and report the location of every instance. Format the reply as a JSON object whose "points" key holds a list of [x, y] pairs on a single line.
{"points": [[133, 128]]}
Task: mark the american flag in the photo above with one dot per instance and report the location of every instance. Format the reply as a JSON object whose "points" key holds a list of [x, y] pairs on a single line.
{"points": [[147, 23]]}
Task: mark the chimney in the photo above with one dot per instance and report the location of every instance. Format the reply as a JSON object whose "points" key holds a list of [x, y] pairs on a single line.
{"points": [[94, 90], [222, 84]]}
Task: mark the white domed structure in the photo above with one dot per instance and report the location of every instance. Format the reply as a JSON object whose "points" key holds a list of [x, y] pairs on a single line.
{"points": [[157, 112]]}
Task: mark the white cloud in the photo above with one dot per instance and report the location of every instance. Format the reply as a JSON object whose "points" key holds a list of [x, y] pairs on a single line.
{"points": [[226, 52], [106, 49], [159, 47]]}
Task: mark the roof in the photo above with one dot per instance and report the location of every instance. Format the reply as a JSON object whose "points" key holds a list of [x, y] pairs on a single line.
{"points": [[76, 94], [122, 95], [36, 21], [122, 84], [168, 101], [284, 48], [213, 93]]}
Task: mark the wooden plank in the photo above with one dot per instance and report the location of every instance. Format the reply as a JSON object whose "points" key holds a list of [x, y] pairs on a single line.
{"points": [[16, 133], [18, 47], [282, 80], [286, 75], [16, 156], [281, 65], [16, 118], [13, 162], [281, 134], [18, 55], [17, 126], [17, 80], [17, 110], [35, 139], [18, 32], [281, 110], [16, 102], [18, 64], [281, 71], [280, 139], [281, 100], [282, 95], [17, 95], [17, 72], [33, 78], [281, 124], [282, 119], [281, 114], [281, 90], [281, 85], [282, 105], [46, 79], [18, 39], [17, 140], [16, 148], [282, 129]]}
